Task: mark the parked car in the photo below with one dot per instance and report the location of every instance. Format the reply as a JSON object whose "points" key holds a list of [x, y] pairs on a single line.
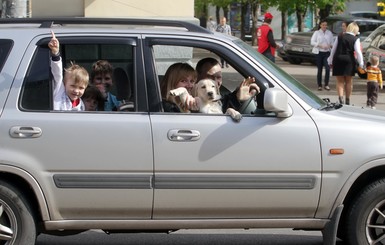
{"points": [[376, 47], [293, 161], [296, 46], [365, 14]]}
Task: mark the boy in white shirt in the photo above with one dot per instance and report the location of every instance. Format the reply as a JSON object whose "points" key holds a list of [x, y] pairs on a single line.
{"points": [[67, 91]]}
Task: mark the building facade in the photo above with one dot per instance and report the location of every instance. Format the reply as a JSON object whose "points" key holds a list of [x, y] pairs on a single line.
{"points": [[98, 8]]}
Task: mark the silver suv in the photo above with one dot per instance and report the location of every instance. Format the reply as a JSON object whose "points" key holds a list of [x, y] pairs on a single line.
{"points": [[293, 161]]}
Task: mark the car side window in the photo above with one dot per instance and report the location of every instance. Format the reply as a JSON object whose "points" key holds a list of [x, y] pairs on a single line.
{"points": [[37, 87], [166, 56], [5, 48]]}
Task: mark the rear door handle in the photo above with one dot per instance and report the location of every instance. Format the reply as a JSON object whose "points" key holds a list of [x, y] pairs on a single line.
{"points": [[183, 135], [25, 132]]}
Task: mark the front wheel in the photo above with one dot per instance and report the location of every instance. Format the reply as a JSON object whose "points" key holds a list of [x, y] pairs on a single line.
{"points": [[366, 217], [17, 225]]}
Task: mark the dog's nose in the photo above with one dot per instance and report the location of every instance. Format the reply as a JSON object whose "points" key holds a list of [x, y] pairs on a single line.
{"points": [[210, 93]]}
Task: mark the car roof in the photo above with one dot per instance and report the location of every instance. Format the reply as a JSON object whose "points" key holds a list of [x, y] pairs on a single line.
{"points": [[126, 23], [350, 18]]}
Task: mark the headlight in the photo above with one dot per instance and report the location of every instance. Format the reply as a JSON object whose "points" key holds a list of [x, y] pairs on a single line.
{"points": [[288, 39]]}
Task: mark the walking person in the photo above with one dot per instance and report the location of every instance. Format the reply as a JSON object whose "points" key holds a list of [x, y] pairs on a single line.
{"points": [[343, 61], [322, 42], [266, 43], [226, 29], [211, 24], [374, 81]]}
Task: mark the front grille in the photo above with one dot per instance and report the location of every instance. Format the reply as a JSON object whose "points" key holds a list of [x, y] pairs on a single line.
{"points": [[300, 40]]}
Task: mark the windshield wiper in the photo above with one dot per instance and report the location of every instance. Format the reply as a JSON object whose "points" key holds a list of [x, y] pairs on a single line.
{"points": [[329, 105]]}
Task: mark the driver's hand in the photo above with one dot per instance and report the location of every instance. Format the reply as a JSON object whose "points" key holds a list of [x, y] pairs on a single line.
{"points": [[247, 89]]}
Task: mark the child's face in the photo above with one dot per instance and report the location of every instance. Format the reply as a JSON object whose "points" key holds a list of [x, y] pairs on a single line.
{"points": [[90, 104], [103, 82], [74, 91]]}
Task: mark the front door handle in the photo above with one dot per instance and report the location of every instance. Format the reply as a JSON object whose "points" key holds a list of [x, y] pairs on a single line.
{"points": [[25, 132], [183, 135]]}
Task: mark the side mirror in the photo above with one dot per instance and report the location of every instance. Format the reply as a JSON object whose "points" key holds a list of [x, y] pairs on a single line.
{"points": [[276, 100]]}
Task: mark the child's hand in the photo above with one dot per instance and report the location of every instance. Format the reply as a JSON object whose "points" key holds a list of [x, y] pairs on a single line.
{"points": [[361, 70], [54, 44]]}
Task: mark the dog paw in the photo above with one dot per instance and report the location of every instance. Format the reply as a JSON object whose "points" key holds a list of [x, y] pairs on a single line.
{"points": [[175, 92], [237, 117]]}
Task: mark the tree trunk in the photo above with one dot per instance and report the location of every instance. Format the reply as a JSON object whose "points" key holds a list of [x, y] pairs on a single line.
{"points": [[284, 24], [300, 13], [226, 13], [325, 12], [244, 18], [254, 12], [218, 17]]}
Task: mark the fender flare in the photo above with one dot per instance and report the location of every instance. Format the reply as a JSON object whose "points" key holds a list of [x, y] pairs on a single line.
{"points": [[34, 186], [353, 178]]}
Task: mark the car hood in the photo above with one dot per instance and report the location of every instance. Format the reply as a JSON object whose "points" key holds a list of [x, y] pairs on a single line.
{"points": [[304, 34], [352, 114], [352, 128], [362, 113]]}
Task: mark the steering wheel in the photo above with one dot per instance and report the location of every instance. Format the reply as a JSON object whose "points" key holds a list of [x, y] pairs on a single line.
{"points": [[249, 106]]}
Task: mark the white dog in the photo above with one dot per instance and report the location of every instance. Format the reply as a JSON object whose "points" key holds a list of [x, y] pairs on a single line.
{"points": [[206, 98]]}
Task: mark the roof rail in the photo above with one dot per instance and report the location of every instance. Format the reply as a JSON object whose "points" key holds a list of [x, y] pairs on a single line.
{"points": [[49, 22]]}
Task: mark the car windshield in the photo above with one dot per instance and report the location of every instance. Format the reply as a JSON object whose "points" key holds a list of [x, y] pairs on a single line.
{"points": [[298, 88]]}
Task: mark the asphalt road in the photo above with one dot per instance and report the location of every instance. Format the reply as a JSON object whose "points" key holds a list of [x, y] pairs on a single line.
{"points": [[191, 237]]}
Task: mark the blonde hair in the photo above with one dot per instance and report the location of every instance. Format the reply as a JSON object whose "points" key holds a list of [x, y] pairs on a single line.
{"points": [[174, 74], [76, 73], [374, 60], [353, 28]]}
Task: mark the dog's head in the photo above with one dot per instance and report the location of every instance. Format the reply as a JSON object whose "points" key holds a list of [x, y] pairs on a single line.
{"points": [[206, 90]]}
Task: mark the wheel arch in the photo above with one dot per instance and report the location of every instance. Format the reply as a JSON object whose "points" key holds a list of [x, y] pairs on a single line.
{"points": [[357, 181], [27, 185]]}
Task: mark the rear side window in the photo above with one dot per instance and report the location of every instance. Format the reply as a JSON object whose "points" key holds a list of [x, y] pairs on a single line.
{"points": [[5, 48], [37, 87]]}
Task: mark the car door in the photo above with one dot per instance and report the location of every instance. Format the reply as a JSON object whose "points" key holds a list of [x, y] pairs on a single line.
{"points": [[208, 166], [90, 165]]}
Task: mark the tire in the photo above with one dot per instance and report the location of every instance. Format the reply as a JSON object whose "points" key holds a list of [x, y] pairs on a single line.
{"points": [[295, 61], [17, 225], [367, 210]]}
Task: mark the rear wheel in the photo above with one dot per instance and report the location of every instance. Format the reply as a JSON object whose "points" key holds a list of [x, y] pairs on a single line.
{"points": [[366, 217], [17, 225]]}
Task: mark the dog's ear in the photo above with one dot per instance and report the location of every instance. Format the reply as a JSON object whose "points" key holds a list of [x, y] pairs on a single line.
{"points": [[217, 88]]}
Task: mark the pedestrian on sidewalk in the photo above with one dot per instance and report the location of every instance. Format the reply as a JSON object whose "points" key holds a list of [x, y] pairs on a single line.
{"points": [[266, 43], [211, 24], [322, 41], [374, 81], [343, 61], [225, 29]]}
